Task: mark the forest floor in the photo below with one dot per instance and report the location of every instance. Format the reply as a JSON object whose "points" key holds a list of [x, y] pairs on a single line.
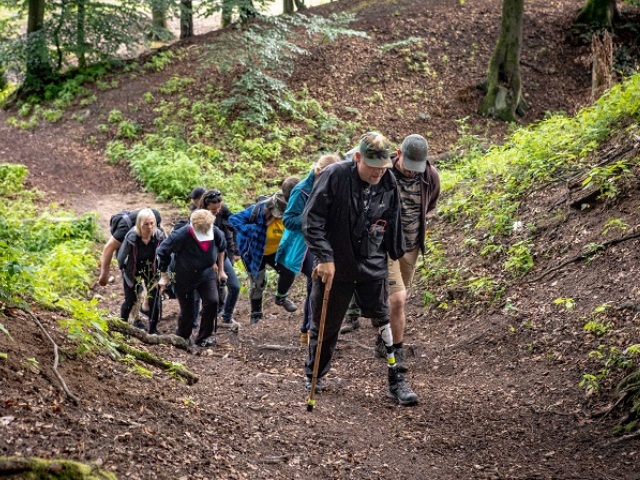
{"points": [[498, 388]]}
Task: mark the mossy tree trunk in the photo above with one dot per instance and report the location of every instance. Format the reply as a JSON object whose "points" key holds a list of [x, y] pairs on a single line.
{"points": [[186, 18], [504, 84], [38, 71], [3, 78], [159, 26], [81, 41], [598, 14], [289, 6]]}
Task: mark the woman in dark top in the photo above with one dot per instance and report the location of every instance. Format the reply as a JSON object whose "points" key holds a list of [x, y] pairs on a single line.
{"points": [[198, 249], [137, 260]]}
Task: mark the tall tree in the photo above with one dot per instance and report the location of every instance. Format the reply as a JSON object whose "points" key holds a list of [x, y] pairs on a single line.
{"points": [[81, 42], [598, 14], [289, 6], [186, 18], [38, 71], [159, 26], [504, 84]]}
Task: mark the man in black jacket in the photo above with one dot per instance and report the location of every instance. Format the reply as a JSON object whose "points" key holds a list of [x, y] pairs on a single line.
{"points": [[351, 223]]}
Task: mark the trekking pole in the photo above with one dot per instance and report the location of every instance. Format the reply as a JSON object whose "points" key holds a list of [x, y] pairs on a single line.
{"points": [[316, 361]]}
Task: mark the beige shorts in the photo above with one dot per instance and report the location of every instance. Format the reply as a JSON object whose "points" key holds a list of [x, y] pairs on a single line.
{"points": [[401, 271]]}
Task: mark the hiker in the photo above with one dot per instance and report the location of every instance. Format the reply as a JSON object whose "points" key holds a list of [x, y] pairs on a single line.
{"points": [[259, 229], [199, 264], [120, 224], [137, 260], [212, 201], [419, 188], [196, 198], [293, 252], [351, 223]]}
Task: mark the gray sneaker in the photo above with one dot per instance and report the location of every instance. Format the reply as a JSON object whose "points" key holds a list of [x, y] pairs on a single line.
{"points": [[231, 324], [350, 324], [319, 384]]}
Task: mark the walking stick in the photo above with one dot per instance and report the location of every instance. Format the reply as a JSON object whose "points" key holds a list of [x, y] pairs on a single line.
{"points": [[316, 361]]}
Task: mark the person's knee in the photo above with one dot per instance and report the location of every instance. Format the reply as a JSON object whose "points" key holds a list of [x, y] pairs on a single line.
{"points": [[398, 299], [380, 322]]}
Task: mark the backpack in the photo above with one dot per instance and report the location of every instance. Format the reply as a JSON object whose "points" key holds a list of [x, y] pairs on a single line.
{"points": [[121, 215]]}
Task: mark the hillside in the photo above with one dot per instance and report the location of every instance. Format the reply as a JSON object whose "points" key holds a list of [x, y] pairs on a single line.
{"points": [[498, 379]]}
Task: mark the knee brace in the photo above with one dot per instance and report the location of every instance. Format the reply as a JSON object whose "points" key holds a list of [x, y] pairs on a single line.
{"points": [[387, 339]]}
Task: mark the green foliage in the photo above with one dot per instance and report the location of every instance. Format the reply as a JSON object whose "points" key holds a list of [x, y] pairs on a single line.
{"points": [[268, 47], [159, 61], [46, 256], [606, 178], [401, 44], [519, 258], [568, 304]]}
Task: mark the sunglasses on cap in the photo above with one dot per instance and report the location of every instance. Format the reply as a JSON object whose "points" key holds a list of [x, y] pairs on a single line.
{"points": [[212, 196]]}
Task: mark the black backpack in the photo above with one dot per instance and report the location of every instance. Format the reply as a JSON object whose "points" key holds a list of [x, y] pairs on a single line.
{"points": [[115, 219]]}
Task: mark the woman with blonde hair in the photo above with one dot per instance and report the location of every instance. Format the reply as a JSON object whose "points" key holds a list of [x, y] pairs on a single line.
{"points": [[137, 260], [199, 264], [293, 253]]}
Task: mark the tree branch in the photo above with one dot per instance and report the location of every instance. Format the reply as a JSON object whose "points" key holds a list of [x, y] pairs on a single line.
{"points": [[12, 466], [583, 256], [56, 359], [117, 325], [149, 358]]}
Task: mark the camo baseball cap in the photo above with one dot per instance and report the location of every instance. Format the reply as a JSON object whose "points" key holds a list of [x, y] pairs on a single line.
{"points": [[374, 148], [414, 151]]}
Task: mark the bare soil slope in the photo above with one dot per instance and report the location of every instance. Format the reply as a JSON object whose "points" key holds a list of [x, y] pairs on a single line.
{"points": [[498, 389]]}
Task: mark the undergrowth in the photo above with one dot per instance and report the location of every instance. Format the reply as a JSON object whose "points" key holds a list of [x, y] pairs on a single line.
{"points": [[46, 256], [482, 195]]}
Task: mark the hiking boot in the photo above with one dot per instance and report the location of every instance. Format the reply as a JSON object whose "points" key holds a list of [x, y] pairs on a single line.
{"points": [[255, 318], [350, 324], [319, 384], [231, 324], [139, 324], [399, 389], [207, 342], [401, 361], [304, 338], [287, 304]]}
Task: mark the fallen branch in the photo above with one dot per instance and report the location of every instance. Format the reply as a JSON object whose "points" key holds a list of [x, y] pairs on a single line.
{"points": [[278, 348], [33, 467], [117, 325], [149, 358], [624, 438], [56, 359], [584, 256]]}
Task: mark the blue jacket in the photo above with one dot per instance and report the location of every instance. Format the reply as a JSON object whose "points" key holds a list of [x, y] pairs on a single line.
{"points": [[250, 228], [293, 248]]}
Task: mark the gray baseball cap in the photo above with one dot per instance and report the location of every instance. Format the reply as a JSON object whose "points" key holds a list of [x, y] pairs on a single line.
{"points": [[414, 151]]}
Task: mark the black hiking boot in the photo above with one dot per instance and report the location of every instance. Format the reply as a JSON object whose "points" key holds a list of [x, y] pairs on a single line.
{"points": [[287, 304], [399, 389], [255, 317]]}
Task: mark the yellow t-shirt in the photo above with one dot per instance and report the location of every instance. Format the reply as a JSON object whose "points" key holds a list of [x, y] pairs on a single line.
{"points": [[274, 235]]}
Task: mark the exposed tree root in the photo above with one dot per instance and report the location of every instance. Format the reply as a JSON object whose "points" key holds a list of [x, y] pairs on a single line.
{"points": [[118, 325], [56, 359], [39, 468], [583, 256], [149, 358]]}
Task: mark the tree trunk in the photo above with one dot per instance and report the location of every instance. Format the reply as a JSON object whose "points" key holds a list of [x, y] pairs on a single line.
{"points": [[186, 18], [159, 28], [504, 85], [598, 14], [81, 43], [300, 5], [39, 71], [3, 78], [227, 12], [602, 64], [287, 6]]}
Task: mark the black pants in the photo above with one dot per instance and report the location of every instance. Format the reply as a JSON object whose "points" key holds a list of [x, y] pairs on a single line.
{"points": [[208, 292], [372, 295], [131, 297]]}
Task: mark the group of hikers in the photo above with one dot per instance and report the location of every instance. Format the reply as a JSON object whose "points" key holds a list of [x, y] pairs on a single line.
{"points": [[354, 227]]}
